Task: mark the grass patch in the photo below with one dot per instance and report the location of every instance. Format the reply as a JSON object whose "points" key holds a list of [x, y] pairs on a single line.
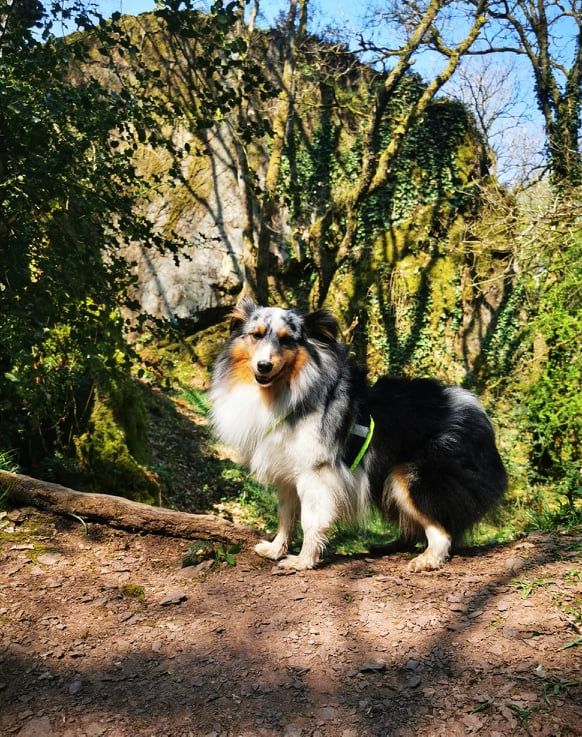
{"points": [[256, 505], [133, 591], [536, 509], [245, 500], [569, 601], [202, 550], [576, 642], [198, 400], [557, 687], [526, 587], [8, 461], [350, 539]]}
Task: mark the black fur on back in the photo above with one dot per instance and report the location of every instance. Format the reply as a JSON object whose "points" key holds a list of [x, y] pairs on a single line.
{"points": [[442, 438]]}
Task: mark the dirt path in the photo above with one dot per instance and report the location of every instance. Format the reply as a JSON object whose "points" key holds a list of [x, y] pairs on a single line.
{"points": [[106, 635]]}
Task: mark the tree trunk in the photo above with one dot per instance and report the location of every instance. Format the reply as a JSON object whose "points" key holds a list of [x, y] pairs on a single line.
{"points": [[377, 165], [119, 512], [297, 20]]}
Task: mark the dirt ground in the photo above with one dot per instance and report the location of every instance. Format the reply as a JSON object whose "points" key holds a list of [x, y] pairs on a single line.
{"points": [[104, 634]]}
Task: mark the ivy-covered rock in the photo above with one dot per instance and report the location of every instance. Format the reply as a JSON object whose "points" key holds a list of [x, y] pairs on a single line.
{"points": [[112, 455]]}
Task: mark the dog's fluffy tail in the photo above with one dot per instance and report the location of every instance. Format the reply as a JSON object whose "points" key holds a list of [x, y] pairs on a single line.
{"points": [[356, 505]]}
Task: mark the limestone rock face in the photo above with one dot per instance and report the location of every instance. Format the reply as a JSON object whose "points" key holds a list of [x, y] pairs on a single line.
{"points": [[204, 209]]}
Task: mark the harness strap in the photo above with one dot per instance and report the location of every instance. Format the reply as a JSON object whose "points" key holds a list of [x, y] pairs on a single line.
{"points": [[366, 433], [276, 422], [360, 431]]}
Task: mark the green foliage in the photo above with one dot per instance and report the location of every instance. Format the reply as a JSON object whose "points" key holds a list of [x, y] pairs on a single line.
{"points": [[501, 345], [111, 455], [347, 539], [526, 586], [554, 400], [401, 283], [67, 196], [247, 499], [531, 360], [8, 461], [72, 121], [203, 550], [431, 169], [197, 399]]}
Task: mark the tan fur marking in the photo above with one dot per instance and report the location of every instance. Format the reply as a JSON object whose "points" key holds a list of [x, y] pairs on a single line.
{"points": [[241, 370], [286, 365], [301, 357], [283, 333], [282, 365], [260, 329], [238, 314], [412, 520]]}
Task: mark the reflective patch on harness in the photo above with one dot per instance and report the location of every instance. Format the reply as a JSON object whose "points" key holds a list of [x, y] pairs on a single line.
{"points": [[360, 430]]}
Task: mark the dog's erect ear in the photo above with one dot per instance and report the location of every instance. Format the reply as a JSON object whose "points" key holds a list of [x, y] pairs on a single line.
{"points": [[241, 313], [322, 326]]}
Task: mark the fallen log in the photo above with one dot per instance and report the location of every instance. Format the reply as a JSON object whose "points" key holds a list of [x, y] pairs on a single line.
{"points": [[121, 513]]}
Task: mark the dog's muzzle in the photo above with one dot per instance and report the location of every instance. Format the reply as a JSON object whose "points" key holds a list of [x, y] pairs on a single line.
{"points": [[263, 373]]}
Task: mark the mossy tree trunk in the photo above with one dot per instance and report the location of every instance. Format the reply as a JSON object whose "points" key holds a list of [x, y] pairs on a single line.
{"points": [[282, 120], [261, 208], [377, 165]]}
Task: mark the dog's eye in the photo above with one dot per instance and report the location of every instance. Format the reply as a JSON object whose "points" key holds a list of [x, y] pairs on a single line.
{"points": [[257, 335], [287, 340]]}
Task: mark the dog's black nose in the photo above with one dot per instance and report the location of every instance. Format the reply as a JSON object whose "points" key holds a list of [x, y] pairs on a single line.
{"points": [[264, 367]]}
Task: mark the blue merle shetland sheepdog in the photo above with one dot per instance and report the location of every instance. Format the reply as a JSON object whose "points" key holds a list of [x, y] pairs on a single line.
{"points": [[303, 417]]}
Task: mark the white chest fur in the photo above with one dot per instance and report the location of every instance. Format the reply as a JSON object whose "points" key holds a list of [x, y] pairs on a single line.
{"points": [[240, 416], [290, 449], [276, 451]]}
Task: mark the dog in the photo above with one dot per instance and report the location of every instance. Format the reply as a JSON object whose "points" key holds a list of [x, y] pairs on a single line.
{"points": [[301, 413]]}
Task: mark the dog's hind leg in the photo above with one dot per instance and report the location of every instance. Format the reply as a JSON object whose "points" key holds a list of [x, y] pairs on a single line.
{"points": [[437, 551], [411, 518], [288, 513]]}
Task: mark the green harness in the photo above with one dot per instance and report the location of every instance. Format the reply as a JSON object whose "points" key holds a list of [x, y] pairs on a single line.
{"points": [[360, 430]]}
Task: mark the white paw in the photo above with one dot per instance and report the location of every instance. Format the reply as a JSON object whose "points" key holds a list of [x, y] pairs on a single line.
{"points": [[270, 550], [427, 561], [297, 563]]}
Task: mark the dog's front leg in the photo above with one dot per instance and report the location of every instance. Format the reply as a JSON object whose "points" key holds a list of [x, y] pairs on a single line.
{"points": [[318, 492], [288, 507]]}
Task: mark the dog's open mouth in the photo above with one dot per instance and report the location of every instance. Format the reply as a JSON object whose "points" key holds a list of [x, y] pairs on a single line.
{"points": [[266, 380]]}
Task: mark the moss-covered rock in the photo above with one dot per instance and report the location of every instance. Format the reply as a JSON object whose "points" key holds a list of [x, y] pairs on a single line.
{"points": [[112, 453], [208, 343]]}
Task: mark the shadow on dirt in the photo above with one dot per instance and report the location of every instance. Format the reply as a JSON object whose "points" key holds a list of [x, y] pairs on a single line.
{"points": [[235, 669]]}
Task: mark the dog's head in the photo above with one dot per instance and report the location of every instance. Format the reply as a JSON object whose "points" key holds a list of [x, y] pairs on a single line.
{"points": [[270, 345]]}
